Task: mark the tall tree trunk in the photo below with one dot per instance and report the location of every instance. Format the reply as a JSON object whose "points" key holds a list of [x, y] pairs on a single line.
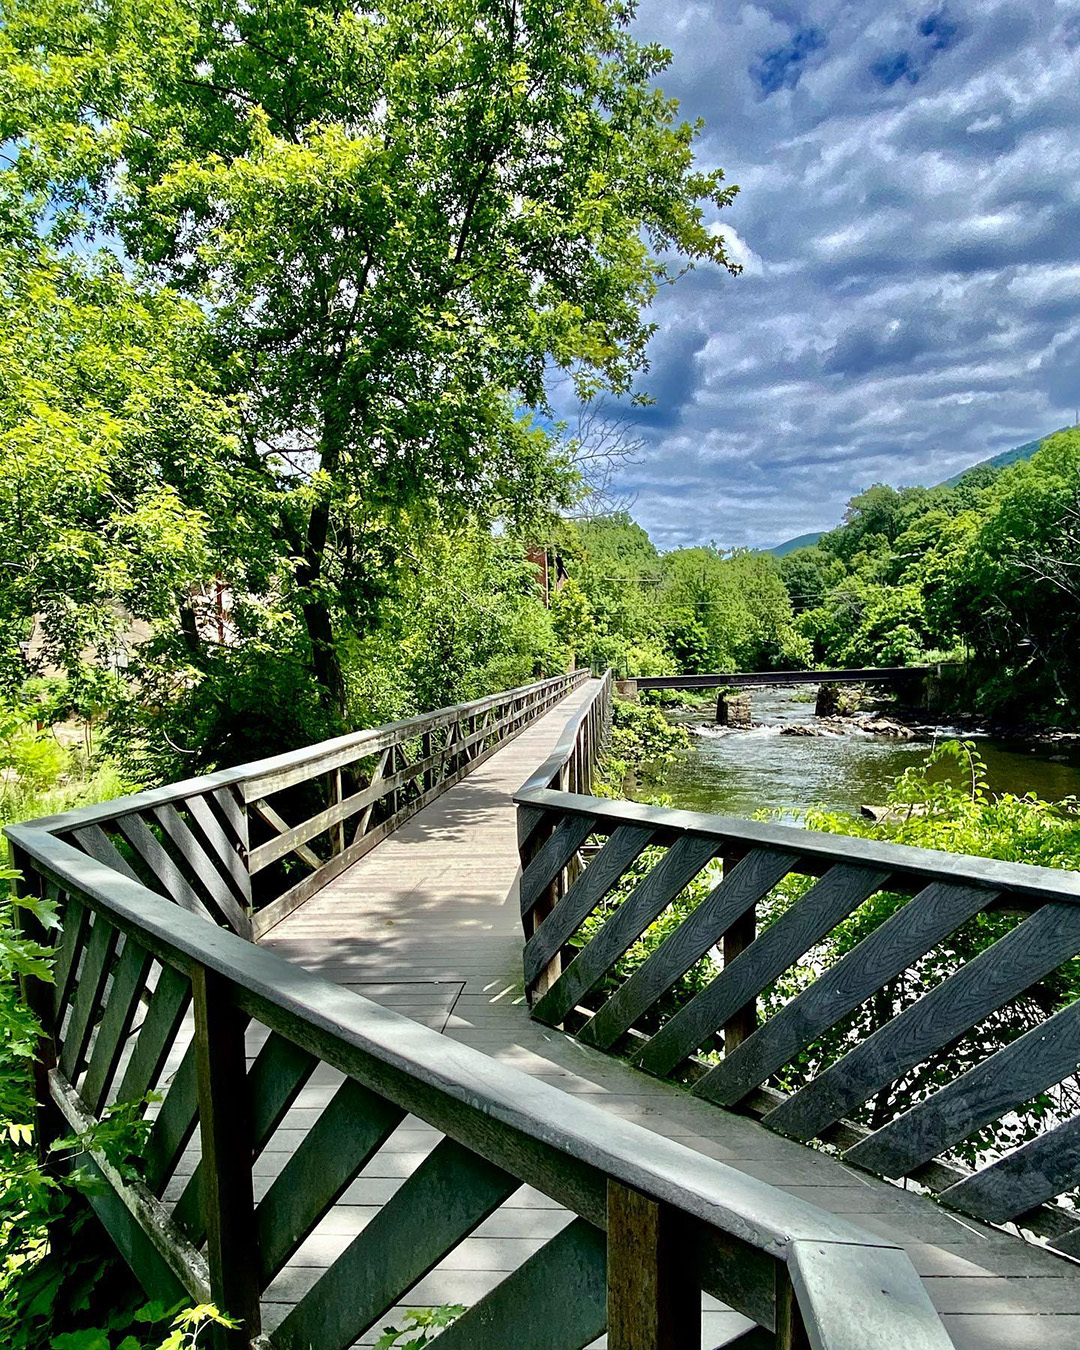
{"points": [[325, 664]]}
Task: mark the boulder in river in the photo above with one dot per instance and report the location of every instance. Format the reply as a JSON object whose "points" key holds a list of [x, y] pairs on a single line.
{"points": [[884, 726], [835, 700]]}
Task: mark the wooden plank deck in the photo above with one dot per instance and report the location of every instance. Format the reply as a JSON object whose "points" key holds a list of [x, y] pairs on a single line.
{"points": [[428, 924]]}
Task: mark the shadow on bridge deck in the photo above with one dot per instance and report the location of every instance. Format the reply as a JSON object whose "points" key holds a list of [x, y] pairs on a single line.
{"points": [[428, 924]]}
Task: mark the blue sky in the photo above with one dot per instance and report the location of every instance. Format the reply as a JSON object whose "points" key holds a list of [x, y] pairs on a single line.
{"points": [[909, 225]]}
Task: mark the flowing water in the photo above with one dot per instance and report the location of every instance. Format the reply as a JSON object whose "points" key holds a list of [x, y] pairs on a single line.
{"points": [[740, 772]]}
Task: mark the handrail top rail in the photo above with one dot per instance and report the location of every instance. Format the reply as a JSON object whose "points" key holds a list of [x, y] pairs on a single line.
{"points": [[545, 774], [1016, 879], [255, 771], [722, 1197]]}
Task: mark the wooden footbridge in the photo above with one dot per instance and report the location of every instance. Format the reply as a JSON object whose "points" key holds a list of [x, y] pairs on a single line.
{"points": [[393, 1071]]}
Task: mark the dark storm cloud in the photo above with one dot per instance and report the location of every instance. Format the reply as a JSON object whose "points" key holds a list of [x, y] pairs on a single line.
{"points": [[909, 228]]}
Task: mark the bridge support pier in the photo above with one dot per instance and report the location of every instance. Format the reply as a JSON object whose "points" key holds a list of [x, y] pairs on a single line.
{"points": [[734, 708]]}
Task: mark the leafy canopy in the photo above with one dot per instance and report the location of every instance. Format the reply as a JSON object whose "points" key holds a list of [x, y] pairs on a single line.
{"points": [[400, 218]]}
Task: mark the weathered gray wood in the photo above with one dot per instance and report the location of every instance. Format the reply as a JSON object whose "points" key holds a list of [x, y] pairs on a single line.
{"points": [[298, 766], [451, 1192], [853, 1297], [909, 866], [274, 819], [348, 1132], [909, 933], [528, 1124], [552, 856], [618, 854], [93, 840], [1017, 1072], [229, 802], [682, 862], [167, 1266], [129, 1235], [529, 819], [76, 920], [737, 937], [840, 891], [93, 975], [225, 1134], [173, 1126], [555, 1301], [654, 1298], [280, 1070], [1015, 962], [213, 833], [1069, 1242], [128, 985], [209, 877], [156, 1035], [1037, 1171], [741, 888], [541, 1135], [791, 1333], [146, 844], [273, 913], [550, 773]]}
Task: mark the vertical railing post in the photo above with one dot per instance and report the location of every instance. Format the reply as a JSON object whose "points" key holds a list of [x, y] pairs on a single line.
{"points": [[654, 1294], [226, 1136], [426, 753], [743, 1022], [790, 1328], [38, 997], [334, 797]]}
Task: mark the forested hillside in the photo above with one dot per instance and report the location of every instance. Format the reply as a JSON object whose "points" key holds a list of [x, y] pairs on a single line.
{"points": [[988, 568]]}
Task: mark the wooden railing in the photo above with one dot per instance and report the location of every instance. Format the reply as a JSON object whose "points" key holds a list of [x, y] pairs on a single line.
{"points": [[246, 846], [903, 1092], [570, 767], [151, 997]]}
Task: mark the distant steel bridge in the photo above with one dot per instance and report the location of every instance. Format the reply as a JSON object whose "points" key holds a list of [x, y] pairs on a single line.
{"points": [[761, 679]]}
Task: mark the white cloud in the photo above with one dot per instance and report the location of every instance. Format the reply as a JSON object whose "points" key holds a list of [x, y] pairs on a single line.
{"points": [[910, 298], [738, 250]]}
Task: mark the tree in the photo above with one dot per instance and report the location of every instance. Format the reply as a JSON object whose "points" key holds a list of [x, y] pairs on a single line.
{"points": [[571, 617], [400, 218], [809, 574], [1015, 581], [125, 484]]}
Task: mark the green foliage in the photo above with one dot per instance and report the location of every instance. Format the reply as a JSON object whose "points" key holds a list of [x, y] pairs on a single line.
{"points": [[465, 619], [571, 617], [395, 248], [691, 610], [990, 563], [422, 1325], [641, 745]]}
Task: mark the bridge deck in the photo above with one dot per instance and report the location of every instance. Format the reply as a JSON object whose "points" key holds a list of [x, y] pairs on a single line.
{"points": [[428, 923]]}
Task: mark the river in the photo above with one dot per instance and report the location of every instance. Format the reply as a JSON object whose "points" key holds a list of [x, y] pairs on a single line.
{"points": [[740, 772]]}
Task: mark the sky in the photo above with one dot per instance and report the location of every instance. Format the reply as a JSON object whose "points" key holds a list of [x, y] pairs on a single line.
{"points": [[908, 223]]}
